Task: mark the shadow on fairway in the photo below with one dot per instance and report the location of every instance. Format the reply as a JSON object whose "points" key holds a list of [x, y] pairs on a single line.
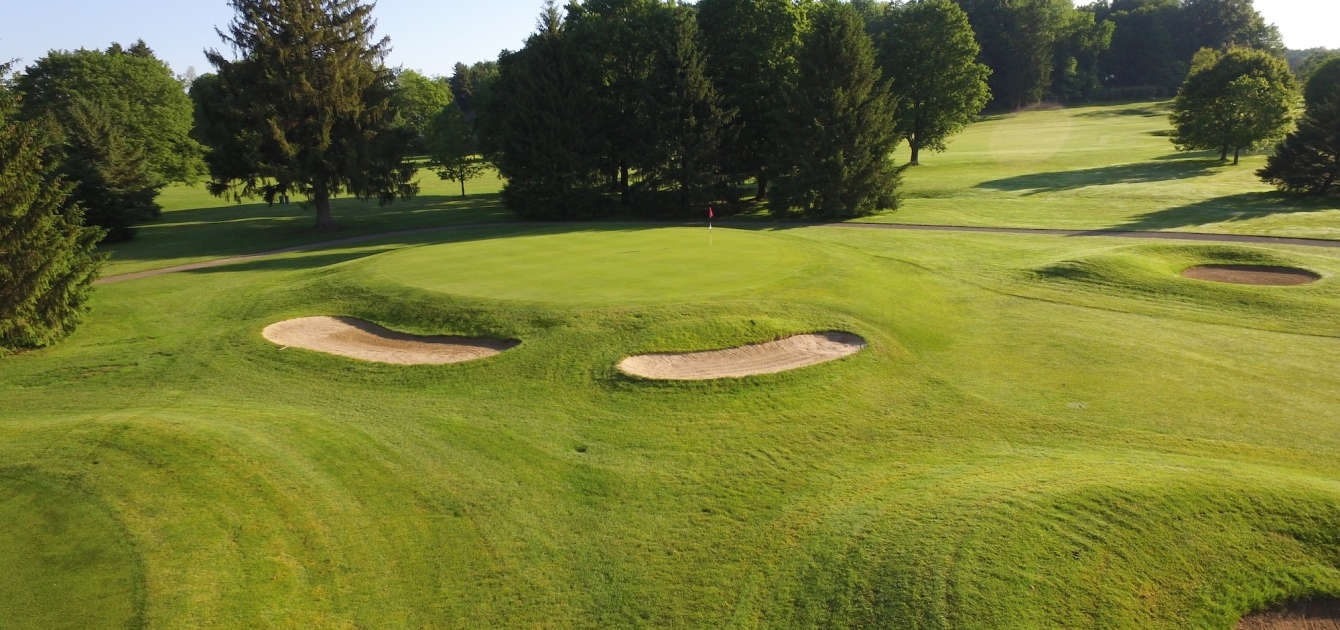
{"points": [[1154, 110], [1241, 207], [249, 228], [339, 253], [1138, 173]]}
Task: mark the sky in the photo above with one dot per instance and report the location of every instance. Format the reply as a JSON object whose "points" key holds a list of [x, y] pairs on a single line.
{"points": [[426, 35]]}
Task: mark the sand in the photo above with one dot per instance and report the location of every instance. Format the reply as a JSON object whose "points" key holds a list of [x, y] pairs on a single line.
{"points": [[767, 358], [1252, 274], [1318, 615], [357, 339]]}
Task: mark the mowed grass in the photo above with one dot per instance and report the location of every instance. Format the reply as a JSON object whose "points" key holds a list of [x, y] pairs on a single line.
{"points": [[638, 265], [197, 226], [1100, 167], [1020, 447]]}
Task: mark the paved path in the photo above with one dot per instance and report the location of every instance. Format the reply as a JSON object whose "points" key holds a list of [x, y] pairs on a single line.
{"points": [[1174, 236]]}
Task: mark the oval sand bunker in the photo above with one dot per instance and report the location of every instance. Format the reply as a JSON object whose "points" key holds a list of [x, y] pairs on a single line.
{"points": [[765, 358], [1317, 615], [1252, 274], [357, 339]]}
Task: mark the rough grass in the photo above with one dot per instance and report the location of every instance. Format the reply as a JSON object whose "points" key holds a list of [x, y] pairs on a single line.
{"points": [[994, 460], [1100, 167]]}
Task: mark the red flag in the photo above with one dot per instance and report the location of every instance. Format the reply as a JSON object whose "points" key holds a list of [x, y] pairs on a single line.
{"points": [[710, 213]]}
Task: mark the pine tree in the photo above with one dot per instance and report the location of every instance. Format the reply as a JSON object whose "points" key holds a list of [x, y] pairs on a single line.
{"points": [[113, 181], [47, 263], [683, 116], [1309, 158], [306, 109], [929, 54], [536, 126], [835, 144], [1236, 100]]}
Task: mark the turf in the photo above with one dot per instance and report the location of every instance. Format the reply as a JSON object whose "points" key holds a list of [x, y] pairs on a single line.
{"points": [[1100, 167], [1045, 432], [638, 265], [1010, 453]]}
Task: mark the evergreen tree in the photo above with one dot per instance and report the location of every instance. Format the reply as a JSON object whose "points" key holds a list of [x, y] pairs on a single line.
{"points": [[750, 47], [452, 147], [468, 83], [684, 116], [113, 181], [138, 93], [536, 127], [1309, 158], [307, 108], [614, 40], [47, 263], [835, 143], [1232, 101], [929, 55]]}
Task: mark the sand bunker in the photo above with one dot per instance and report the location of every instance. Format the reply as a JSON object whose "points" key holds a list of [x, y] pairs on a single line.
{"points": [[1252, 274], [1318, 615], [358, 339], [767, 358]]}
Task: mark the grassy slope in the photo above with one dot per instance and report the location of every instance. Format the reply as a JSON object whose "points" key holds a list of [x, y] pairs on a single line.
{"points": [[1035, 439], [1100, 167]]}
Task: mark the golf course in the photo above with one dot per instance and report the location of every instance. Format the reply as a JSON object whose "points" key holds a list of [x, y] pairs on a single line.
{"points": [[1034, 430]]}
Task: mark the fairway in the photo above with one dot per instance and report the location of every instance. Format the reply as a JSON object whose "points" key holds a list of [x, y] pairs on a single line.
{"points": [[1024, 431], [602, 264]]}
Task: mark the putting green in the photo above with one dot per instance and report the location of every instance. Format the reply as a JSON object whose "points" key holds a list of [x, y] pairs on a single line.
{"points": [[598, 265]]}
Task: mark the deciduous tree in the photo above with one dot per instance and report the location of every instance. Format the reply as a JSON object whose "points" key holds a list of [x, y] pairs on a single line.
{"points": [[1240, 99], [306, 108], [139, 94], [1018, 39], [835, 143], [750, 48], [419, 99], [929, 54], [452, 147], [47, 262]]}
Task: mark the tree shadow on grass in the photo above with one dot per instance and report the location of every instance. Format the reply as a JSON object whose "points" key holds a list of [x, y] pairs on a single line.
{"points": [[1147, 110], [1137, 173], [249, 228], [1240, 207]]}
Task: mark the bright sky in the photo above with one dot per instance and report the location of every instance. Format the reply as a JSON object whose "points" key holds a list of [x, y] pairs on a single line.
{"points": [[428, 35]]}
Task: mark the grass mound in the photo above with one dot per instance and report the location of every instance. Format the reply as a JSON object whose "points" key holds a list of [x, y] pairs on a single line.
{"points": [[1150, 278]]}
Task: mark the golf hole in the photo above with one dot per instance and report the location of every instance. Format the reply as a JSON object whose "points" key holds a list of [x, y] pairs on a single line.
{"points": [[1257, 275], [1307, 615], [357, 339], [765, 358]]}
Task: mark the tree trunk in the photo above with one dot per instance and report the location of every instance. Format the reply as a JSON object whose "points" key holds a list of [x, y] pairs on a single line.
{"points": [[916, 155], [623, 184], [1223, 154], [1236, 150], [762, 188], [324, 223], [462, 188]]}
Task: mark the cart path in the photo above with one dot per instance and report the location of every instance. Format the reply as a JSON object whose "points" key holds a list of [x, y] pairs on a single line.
{"points": [[1137, 234]]}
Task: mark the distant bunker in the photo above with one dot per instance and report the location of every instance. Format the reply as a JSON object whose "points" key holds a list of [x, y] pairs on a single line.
{"points": [[1257, 275], [765, 358], [1311, 615], [357, 339]]}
